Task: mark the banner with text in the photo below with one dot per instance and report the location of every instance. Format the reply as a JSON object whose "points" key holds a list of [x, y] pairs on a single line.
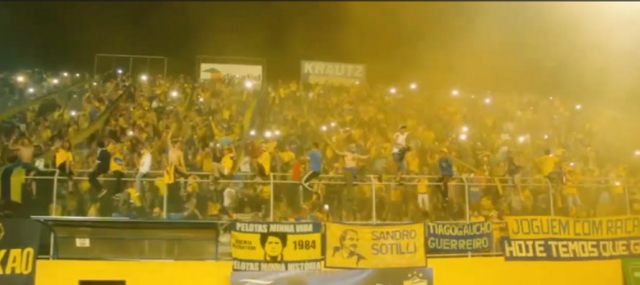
{"points": [[276, 246], [456, 237], [374, 246], [19, 242], [386, 276], [238, 72], [559, 238], [332, 72]]}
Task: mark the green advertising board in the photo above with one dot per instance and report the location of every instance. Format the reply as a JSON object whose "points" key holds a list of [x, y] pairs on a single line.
{"points": [[631, 271]]}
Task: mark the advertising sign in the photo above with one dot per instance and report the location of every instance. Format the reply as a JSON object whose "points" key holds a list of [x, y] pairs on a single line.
{"points": [[240, 72], [332, 72]]}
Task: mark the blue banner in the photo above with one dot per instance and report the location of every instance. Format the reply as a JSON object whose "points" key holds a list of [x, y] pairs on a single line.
{"points": [[386, 276], [456, 237], [19, 241]]}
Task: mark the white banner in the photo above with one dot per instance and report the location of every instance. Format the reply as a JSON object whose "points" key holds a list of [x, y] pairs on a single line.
{"points": [[242, 72], [332, 72]]}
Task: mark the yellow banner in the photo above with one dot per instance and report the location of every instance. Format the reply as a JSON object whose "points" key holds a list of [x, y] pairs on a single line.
{"points": [[561, 227], [262, 246], [246, 124], [374, 246]]}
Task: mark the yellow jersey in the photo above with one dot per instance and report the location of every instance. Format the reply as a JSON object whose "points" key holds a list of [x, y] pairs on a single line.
{"points": [[117, 162], [63, 156], [547, 164], [265, 161], [423, 187]]}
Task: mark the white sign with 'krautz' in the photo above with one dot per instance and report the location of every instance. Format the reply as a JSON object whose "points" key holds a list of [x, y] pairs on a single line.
{"points": [[332, 72]]}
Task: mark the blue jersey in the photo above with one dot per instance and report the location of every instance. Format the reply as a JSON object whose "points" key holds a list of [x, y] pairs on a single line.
{"points": [[315, 158], [445, 164]]}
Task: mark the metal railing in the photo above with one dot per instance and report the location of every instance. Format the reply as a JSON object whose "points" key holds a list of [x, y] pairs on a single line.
{"points": [[465, 192], [374, 206]]}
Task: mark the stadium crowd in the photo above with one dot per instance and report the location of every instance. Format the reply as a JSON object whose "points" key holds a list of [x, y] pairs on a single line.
{"points": [[229, 148]]}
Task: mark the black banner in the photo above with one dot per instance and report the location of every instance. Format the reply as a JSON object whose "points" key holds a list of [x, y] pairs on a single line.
{"points": [[19, 241]]}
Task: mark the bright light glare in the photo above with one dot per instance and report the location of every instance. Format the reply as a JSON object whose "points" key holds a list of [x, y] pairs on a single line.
{"points": [[637, 152], [413, 86], [174, 93], [267, 134], [248, 84], [20, 78], [546, 137], [487, 101], [454, 92], [119, 71], [144, 77], [463, 137], [77, 74], [65, 74], [578, 107], [521, 139], [572, 164], [201, 99], [252, 132], [94, 84], [357, 82], [31, 90], [130, 133], [333, 124], [617, 183], [465, 129], [323, 128], [277, 133], [73, 113], [55, 81], [392, 91], [550, 98]]}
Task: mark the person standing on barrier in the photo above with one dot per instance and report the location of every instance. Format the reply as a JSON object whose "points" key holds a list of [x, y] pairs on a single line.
{"points": [[25, 150], [143, 169], [63, 161], [102, 167], [315, 166], [175, 165], [351, 158], [445, 164], [117, 168], [399, 151]]}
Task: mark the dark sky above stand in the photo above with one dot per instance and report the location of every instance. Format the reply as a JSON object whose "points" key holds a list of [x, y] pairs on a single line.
{"points": [[578, 49]]}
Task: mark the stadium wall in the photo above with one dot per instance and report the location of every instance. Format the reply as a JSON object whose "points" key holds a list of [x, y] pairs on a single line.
{"points": [[447, 271]]}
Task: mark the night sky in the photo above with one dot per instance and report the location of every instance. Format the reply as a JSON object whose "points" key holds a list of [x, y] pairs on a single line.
{"points": [[577, 49]]}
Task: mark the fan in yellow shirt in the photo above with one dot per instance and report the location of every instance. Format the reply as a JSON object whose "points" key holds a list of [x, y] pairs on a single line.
{"points": [[547, 163], [228, 160], [204, 159], [571, 192], [423, 196], [64, 159], [264, 163]]}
